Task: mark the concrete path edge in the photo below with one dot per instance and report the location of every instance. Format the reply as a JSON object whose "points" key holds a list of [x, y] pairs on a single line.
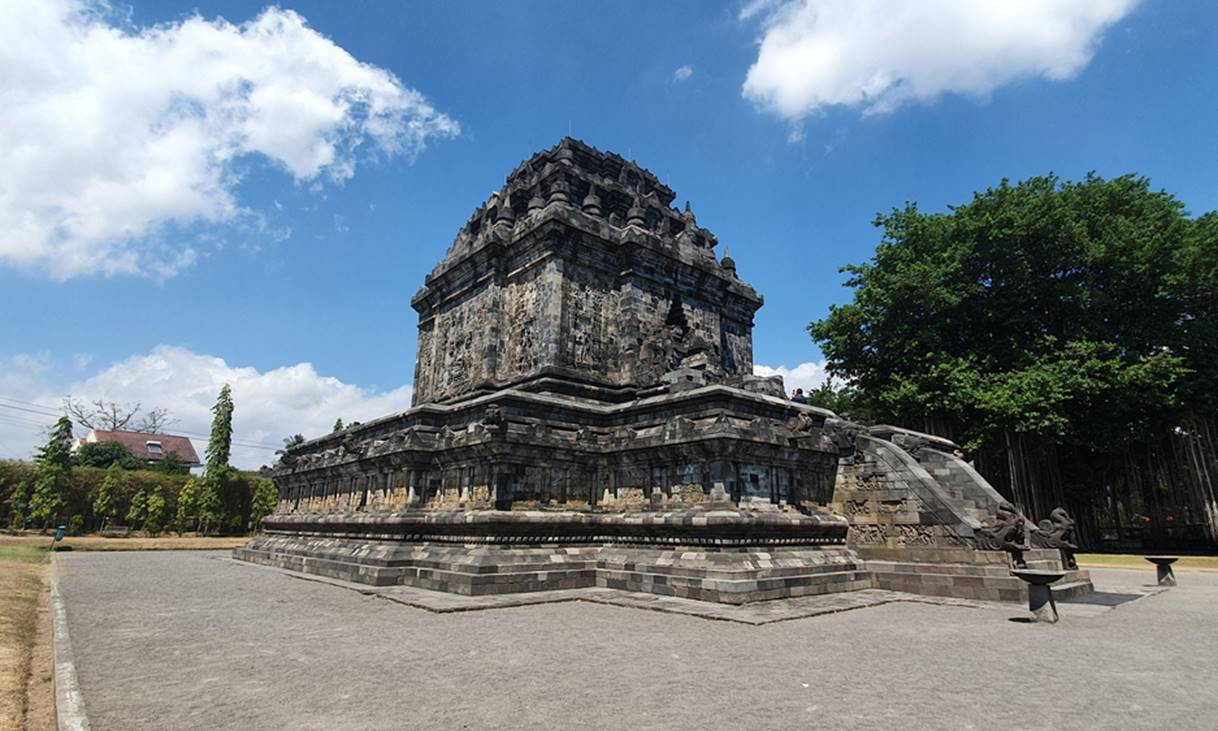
{"points": [[69, 703]]}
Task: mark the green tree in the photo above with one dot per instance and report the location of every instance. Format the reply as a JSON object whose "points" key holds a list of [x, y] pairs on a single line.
{"points": [[54, 471], [211, 507], [220, 442], [105, 454], [845, 401], [338, 424], [1063, 332], [293, 441], [263, 504], [19, 505], [212, 516], [188, 498], [171, 464], [105, 501], [138, 510], [154, 513]]}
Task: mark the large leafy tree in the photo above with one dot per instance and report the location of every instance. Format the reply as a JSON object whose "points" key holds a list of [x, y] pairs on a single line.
{"points": [[1047, 325]]}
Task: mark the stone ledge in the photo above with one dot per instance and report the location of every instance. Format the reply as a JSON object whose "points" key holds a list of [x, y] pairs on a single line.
{"points": [[714, 525], [733, 577]]}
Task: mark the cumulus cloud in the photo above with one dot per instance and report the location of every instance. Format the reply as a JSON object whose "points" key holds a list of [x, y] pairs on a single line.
{"points": [[269, 405], [113, 136], [879, 54], [805, 375], [682, 73]]}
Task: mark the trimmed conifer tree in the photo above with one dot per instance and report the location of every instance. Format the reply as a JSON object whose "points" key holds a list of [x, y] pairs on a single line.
{"points": [[265, 496], [105, 502], [138, 509], [54, 471], [188, 502], [19, 505], [219, 448], [154, 513]]}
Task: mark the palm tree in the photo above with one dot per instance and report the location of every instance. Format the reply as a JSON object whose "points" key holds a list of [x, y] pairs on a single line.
{"points": [[289, 442]]}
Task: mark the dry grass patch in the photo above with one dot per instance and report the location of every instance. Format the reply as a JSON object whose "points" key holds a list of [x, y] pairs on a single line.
{"points": [[1134, 561], [138, 543], [23, 574]]}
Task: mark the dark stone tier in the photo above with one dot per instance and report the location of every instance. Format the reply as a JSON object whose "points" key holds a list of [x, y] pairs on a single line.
{"points": [[518, 450]]}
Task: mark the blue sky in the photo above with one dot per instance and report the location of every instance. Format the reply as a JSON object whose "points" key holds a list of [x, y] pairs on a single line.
{"points": [[317, 265]]}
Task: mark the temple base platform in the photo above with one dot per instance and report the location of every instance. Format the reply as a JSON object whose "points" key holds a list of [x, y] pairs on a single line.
{"points": [[725, 555]]}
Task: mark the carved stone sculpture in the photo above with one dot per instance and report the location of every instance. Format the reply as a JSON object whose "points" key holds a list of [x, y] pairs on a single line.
{"points": [[1058, 531], [1006, 533]]}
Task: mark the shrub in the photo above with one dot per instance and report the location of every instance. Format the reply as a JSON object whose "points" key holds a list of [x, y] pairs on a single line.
{"points": [[138, 510], [105, 454], [154, 512]]}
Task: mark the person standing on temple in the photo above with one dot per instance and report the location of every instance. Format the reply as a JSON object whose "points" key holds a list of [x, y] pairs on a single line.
{"points": [[798, 396]]}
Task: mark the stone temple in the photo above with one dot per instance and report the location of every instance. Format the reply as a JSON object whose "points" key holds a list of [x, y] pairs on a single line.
{"points": [[585, 414]]}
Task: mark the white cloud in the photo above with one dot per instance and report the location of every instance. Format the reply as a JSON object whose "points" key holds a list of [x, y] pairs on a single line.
{"points": [[269, 405], [805, 375], [682, 73], [880, 54], [757, 7], [112, 137]]}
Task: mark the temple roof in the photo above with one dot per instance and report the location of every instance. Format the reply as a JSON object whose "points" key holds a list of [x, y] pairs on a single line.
{"points": [[603, 187], [605, 168]]}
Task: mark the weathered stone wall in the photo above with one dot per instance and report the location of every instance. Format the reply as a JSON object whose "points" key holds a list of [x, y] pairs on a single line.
{"points": [[515, 449]]}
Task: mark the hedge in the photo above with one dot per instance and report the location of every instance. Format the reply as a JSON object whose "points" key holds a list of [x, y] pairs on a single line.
{"points": [[238, 493]]}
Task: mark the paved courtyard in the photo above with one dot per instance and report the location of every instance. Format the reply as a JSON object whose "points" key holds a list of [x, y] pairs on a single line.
{"points": [[194, 640]]}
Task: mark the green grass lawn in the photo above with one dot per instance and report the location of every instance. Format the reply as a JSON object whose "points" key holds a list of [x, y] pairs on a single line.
{"points": [[1129, 560]]}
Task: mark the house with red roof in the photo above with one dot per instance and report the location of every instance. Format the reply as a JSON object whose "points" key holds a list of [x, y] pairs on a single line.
{"points": [[151, 448]]}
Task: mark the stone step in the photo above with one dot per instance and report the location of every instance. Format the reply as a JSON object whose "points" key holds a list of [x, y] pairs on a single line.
{"points": [[736, 591], [954, 581]]}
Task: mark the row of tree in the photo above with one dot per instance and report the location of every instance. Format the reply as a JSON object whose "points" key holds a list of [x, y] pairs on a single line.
{"points": [[1065, 333], [60, 487]]}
